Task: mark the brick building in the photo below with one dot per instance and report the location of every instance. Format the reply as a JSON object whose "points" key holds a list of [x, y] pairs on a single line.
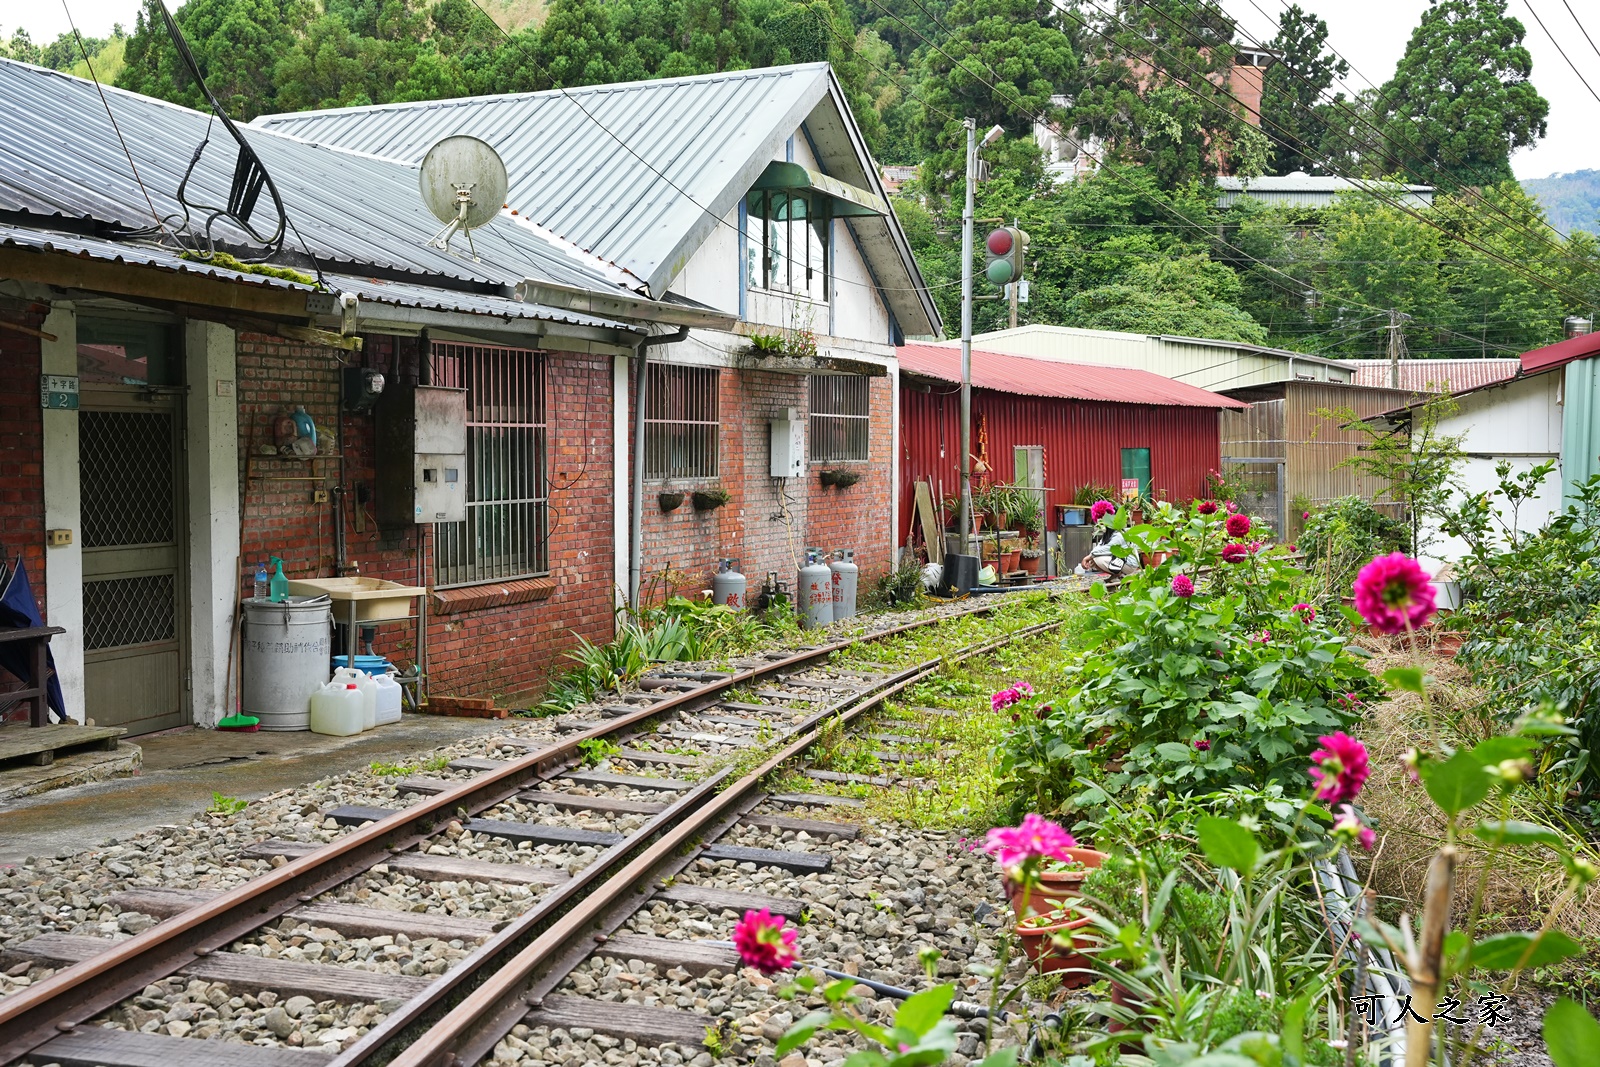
{"points": [[165, 477]]}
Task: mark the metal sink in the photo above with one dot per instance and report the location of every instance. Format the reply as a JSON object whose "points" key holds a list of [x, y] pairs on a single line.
{"points": [[373, 599]]}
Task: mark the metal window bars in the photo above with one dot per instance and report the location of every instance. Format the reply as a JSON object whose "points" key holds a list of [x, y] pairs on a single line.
{"points": [[789, 237], [506, 532], [680, 422], [841, 411]]}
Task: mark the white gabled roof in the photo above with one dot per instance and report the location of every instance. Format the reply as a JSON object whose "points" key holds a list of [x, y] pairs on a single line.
{"points": [[639, 174]]}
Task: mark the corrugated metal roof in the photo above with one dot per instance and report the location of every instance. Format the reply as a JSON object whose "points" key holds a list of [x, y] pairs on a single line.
{"points": [[1315, 190], [1047, 377], [399, 294], [1561, 353], [640, 173], [1435, 375], [60, 159]]}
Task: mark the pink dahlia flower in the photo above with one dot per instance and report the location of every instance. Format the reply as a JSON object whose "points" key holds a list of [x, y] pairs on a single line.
{"points": [[1036, 839], [1100, 509], [1010, 695], [1340, 768], [1182, 586], [1392, 594], [1208, 507], [764, 943], [1350, 827], [1202, 745], [1234, 553], [1306, 612], [1237, 525]]}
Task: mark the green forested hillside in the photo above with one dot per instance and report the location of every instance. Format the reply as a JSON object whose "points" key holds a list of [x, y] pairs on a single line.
{"points": [[1571, 200], [1145, 84]]}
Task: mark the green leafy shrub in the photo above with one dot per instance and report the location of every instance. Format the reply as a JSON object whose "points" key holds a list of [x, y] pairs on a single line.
{"points": [[1343, 537], [1229, 686]]}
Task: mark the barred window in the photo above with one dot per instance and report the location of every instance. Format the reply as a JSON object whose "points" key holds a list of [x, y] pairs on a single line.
{"points": [[788, 242], [506, 532], [841, 407], [680, 422]]}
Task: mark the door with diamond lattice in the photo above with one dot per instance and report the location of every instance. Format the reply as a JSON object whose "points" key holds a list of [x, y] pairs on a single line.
{"points": [[133, 560]]}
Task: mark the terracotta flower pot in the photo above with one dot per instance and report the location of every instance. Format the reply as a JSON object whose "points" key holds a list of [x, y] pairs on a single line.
{"points": [[1010, 560], [1039, 945], [1056, 888], [1031, 564], [1448, 642]]}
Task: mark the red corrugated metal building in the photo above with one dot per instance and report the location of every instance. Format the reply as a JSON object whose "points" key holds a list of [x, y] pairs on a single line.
{"points": [[1082, 416]]}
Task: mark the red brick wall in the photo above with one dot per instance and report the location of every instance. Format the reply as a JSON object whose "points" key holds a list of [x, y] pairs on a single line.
{"points": [[768, 523], [21, 443], [505, 648]]}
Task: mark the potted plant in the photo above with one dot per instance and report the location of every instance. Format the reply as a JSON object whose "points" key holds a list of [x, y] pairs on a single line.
{"points": [[710, 499], [1060, 882], [1039, 936], [765, 344], [840, 479], [669, 499]]}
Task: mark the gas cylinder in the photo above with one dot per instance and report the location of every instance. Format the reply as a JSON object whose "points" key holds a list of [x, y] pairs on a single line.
{"points": [[845, 573], [814, 592], [728, 586]]}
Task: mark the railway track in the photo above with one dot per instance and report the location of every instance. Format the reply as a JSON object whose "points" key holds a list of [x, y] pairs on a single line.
{"points": [[682, 771]]}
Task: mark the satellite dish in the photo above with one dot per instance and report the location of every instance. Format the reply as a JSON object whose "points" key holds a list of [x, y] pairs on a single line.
{"points": [[464, 185]]}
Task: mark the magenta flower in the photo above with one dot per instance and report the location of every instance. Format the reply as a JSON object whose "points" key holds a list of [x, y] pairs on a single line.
{"points": [[1036, 839], [1010, 695], [1208, 507], [1340, 768], [1349, 827], [1264, 636], [1306, 612], [1237, 525], [1231, 506], [1234, 553], [1255, 546], [1393, 594], [1182, 586], [764, 943], [1100, 509], [1305, 514], [1202, 745], [1411, 759]]}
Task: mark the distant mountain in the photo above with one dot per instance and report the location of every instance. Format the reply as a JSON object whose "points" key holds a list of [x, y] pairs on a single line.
{"points": [[1571, 200]]}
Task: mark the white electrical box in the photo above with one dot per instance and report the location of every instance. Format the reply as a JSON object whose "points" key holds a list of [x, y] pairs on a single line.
{"points": [[788, 445], [422, 456]]}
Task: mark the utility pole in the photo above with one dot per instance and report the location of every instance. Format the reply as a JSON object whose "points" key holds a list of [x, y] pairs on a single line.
{"points": [[1397, 346], [1014, 290], [966, 337]]}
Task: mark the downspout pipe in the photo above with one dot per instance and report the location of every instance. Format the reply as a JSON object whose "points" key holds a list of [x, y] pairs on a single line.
{"points": [[636, 519]]}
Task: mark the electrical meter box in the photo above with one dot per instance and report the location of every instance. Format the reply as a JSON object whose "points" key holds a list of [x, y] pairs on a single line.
{"points": [[422, 456], [788, 445]]}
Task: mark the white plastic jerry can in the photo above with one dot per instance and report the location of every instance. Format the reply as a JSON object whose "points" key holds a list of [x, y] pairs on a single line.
{"points": [[368, 690], [337, 710]]}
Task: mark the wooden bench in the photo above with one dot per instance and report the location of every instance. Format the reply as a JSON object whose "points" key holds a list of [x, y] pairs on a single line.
{"points": [[37, 639]]}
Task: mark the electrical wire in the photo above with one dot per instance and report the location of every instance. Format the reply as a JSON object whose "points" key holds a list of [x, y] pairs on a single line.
{"points": [[1563, 51], [1581, 29], [160, 226]]}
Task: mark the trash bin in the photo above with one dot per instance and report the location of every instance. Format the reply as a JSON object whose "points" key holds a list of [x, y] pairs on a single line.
{"points": [[287, 646]]}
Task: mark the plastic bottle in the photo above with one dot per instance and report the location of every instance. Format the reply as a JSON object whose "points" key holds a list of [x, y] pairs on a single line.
{"points": [[262, 579], [388, 699], [304, 426], [336, 710], [279, 583], [366, 687]]}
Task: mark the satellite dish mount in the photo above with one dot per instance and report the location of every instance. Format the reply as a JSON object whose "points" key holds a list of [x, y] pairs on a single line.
{"points": [[464, 184]]}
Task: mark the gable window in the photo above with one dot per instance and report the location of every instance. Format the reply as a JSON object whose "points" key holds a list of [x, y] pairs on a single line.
{"points": [[506, 531], [841, 408], [680, 422], [788, 242]]}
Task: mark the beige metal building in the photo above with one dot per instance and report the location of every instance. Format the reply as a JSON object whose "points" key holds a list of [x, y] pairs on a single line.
{"points": [[1221, 366], [1288, 453]]}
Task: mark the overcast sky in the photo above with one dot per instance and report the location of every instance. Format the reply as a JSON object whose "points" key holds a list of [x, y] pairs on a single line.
{"points": [[1371, 34]]}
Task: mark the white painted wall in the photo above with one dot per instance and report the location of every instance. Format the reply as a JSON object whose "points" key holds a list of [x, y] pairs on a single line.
{"points": [[621, 481], [1519, 423], [212, 440], [63, 566]]}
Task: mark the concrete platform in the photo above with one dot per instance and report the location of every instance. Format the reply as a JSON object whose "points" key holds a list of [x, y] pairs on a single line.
{"points": [[182, 768]]}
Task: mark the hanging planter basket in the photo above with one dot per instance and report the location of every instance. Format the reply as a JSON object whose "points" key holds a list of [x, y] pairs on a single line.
{"points": [[840, 479], [709, 499], [669, 501]]}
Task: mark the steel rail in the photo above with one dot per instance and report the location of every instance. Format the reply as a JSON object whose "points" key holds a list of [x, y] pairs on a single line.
{"points": [[77, 993], [469, 1032]]}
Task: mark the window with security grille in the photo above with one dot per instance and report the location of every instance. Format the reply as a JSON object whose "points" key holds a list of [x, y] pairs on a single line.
{"points": [[680, 422], [506, 531], [841, 408]]}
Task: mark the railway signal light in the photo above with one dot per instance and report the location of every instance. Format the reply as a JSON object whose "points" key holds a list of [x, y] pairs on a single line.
{"points": [[1005, 250]]}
